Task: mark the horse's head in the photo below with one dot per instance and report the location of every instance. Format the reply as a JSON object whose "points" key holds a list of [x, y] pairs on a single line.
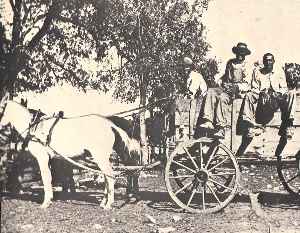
{"points": [[16, 115]]}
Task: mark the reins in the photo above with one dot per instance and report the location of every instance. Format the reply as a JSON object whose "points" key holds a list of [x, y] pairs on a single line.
{"points": [[34, 123]]}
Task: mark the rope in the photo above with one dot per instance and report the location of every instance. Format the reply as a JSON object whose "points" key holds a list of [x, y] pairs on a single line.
{"points": [[78, 164], [34, 124]]}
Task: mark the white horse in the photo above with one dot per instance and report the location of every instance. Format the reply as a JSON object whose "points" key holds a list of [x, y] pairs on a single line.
{"points": [[70, 137]]}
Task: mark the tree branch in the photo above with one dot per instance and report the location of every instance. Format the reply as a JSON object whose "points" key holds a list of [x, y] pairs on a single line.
{"points": [[78, 24], [52, 12]]}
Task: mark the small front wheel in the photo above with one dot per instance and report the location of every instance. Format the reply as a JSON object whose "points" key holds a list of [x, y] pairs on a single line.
{"points": [[202, 175]]}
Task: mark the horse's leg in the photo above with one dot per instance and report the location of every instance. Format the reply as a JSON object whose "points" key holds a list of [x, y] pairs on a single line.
{"points": [[111, 190], [133, 179], [106, 167], [42, 157], [104, 199]]}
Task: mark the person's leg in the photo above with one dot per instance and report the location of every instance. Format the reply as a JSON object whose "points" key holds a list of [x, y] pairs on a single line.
{"points": [[287, 104], [195, 113], [222, 110], [209, 105], [222, 113], [248, 108], [245, 121], [192, 116], [244, 144]]}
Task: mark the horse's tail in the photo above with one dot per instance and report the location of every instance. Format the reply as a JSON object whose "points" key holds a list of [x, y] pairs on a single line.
{"points": [[129, 146]]}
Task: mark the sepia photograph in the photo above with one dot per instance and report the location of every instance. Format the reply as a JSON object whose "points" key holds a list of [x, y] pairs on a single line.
{"points": [[150, 116]]}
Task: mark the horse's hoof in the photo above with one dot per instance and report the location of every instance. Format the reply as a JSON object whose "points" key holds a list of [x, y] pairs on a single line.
{"points": [[46, 204], [107, 207], [103, 203]]}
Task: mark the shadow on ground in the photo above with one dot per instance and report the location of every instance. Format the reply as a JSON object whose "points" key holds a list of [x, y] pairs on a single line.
{"points": [[153, 199]]}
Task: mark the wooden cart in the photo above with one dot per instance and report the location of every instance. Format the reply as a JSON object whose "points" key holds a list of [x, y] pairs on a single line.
{"points": [[202, 175]]}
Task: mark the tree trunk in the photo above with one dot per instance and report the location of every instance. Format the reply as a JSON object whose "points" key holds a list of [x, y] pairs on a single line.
{"points": [[143, 135]]}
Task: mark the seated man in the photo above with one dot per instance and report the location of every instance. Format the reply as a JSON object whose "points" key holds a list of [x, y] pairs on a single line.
{"points": [[234, 82], [197, 88], [269, 92]]}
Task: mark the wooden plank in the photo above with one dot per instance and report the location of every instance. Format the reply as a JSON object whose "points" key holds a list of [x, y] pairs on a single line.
{"points": [[268, 141]]}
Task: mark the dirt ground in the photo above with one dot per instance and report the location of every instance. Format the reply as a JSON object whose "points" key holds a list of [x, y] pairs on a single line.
{"points": [[155, 212]]}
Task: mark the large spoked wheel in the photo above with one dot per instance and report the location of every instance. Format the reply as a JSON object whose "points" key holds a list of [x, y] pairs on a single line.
{"points": [[289, 174], [202, 175]]}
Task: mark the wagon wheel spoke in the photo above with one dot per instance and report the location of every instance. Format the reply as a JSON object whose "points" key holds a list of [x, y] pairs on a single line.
{"points": [[218, 164], [203, 197], [191, 158], [191, 197], [184, 187], [211, 156], [223, 186], [289, 176], [181, 165], [201, 155], [294, 177], [223, 174], [181, 176], [214, 193], [196, 189]]}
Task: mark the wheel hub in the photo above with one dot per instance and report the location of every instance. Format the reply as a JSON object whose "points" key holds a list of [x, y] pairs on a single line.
{"points": [[202, 176]]}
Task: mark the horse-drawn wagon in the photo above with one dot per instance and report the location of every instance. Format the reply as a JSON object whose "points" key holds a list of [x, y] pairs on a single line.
{"points": [[202, 174]]}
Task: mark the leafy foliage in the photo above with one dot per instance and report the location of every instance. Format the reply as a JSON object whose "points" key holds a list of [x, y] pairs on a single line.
{"points": [[51, 42], [152, 37], [292, 72]]}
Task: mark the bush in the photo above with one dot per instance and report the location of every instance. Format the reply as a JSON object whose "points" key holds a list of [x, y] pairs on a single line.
{"points": [[292, 73]]}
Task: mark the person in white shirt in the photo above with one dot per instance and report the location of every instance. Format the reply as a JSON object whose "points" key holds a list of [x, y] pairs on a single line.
{"points": [[197, 88], [270, 92]]}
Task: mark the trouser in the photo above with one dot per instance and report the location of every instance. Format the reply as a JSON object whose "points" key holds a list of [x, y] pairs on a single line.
{"points": [[195, 106], [249, 112], [216, 107]]}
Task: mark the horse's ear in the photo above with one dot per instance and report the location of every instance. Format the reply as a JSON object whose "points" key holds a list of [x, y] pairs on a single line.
{"points": [[4, 98], [24, 102]]}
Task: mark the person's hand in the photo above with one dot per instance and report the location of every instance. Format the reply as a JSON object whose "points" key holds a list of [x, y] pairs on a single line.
{"points": [[277, 94], [188, 94], [227, 86]]}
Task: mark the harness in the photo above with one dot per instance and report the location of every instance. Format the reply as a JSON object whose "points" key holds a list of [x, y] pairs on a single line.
{"points": [[33, 127], [37, 119]]}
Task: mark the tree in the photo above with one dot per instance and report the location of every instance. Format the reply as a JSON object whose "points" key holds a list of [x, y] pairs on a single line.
{"points": [[152, 37], [292, 73], [48, 42]]}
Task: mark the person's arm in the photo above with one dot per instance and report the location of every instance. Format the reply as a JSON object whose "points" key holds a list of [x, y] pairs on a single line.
{"points": [[196, 82], [255, 84], [202, 85], [283, 88], [226, 76], [221, 75], [245, 85]]}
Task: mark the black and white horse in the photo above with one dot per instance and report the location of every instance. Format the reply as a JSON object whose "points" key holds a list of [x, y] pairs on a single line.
{"points": [[71, 137]]}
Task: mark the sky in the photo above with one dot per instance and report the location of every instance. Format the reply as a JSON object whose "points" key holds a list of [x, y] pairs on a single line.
{"points": [[265, 25]]}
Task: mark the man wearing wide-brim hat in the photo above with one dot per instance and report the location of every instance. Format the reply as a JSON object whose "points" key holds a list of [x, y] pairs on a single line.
{"points": [[234, 83]]}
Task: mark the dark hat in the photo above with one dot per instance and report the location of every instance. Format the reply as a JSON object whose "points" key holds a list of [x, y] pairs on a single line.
{"points": [[187, 61], [241, 48]]}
